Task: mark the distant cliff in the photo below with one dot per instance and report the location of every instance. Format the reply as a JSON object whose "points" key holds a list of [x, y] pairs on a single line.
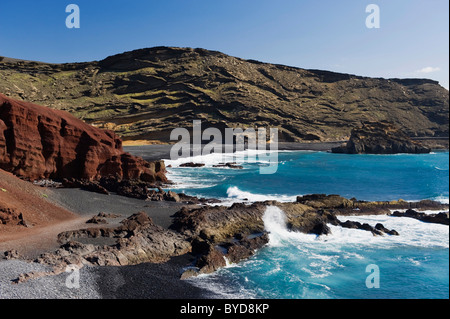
{"points": [[380, 138], [146, 93], [37, 142]]}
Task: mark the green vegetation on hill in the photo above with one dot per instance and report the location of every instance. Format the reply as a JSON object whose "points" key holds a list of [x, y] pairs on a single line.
{"points": [[144, 94]]}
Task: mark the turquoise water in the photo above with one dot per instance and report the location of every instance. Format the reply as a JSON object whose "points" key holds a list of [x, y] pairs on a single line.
{"points": [[293, 265], [366, 177]]}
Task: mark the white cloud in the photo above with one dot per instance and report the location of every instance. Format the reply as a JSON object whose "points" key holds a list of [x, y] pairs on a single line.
{"points": [[428, 69]]}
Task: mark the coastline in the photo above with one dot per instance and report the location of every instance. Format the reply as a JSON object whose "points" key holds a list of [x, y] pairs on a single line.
{"points": [[141, 281], [155, 152], [146, 280]]}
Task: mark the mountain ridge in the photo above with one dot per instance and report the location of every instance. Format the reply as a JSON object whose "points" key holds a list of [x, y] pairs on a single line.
{"points": [[399, 80], [143, 94]]}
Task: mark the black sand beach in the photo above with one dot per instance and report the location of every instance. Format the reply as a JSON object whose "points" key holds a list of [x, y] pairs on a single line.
{"points": [[89, 204], [144, 281], [162, 151], [148, 281]]}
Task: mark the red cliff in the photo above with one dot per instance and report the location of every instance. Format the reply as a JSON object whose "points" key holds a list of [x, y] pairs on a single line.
{"points": [[37, 142]]}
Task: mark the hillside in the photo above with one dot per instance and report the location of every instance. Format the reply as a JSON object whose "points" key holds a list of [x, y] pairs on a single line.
{"points": [[144, 94], [24, 206]]}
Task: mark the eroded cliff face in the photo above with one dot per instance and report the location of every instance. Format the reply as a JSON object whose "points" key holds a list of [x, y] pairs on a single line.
{"points": [[37, 142], [380, 138]]}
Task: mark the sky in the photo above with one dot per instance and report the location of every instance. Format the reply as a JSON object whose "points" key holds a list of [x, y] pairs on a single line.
{"points": [[412, 40]]}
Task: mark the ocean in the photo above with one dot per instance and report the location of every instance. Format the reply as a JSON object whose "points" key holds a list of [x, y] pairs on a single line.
{"points": [[348, 263]]}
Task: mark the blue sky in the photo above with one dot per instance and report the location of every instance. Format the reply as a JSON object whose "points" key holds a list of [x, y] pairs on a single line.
{"points": [[412, 40]]}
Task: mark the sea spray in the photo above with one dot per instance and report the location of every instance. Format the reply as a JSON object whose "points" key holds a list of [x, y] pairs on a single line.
{"points": [[391, 177], [296, 265], [275, 223], [236, 195]]}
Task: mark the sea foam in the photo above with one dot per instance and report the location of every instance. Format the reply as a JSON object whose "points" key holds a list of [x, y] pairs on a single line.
{"points": [[212, 159], [412, 232], [234, 193]]}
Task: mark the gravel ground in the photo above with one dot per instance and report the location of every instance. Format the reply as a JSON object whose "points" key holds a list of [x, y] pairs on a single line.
{"points": [[149, 281], [144, 281], [49, 287], [89, 204]]}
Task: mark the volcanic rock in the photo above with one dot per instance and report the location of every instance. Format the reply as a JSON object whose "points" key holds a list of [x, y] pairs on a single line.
{"points": [[191, 164], [107, 215], [343, 206], [246, 248], [87, 185], [325, 201], [229, 165], [138, 240], [439, 218], [9, 216], [380, 138], [211, 261], [217, 224], [37, 142], [381, 227], [11, 254], [378, 230], [96, 220]]}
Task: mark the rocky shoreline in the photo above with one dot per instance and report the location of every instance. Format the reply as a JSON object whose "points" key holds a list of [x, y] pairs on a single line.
{"points": [[211, 236], [161, 226]]}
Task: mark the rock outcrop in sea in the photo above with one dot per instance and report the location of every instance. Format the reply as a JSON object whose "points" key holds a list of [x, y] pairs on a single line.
{"points": [[439, 218], [380, 138], [37, 142]]}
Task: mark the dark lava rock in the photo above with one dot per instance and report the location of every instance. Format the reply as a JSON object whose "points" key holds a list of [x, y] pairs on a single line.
{"points": [[380, 138], [378, 230], [211, 261], [192, 165], [439, 218]]}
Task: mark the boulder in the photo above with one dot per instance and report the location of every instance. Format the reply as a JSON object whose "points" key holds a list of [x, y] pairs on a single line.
{"points": [[229, 165], [211, 261], [191, 164], [96, 220], [10, 216], [219, 223], [383, 229], [246, 247], [11, 254], [378, 230]]}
